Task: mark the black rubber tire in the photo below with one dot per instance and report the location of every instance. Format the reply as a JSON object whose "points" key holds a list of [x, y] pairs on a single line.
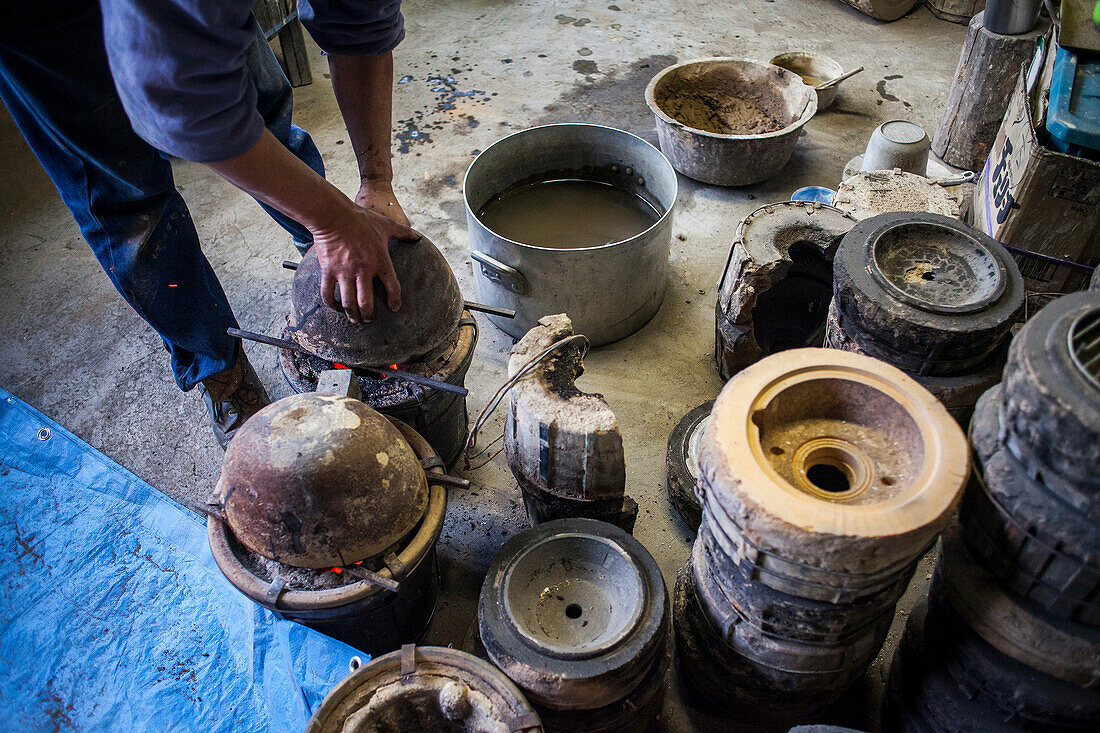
{"points": [[799, 579], [775, 653], [720, 682], [916, 340], [921, 697], [583, 683], [957, 392], [1051, 410], [679, 480], [792, 617], [542, 506], [1025, 697], [1034, 543], [635, 713]]}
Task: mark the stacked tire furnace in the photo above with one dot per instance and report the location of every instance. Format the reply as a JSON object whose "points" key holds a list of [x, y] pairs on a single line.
{"points": [[930, 295], [824, 476], [1011, 636]]}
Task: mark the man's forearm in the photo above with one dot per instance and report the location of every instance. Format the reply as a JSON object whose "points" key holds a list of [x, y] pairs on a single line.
{"points": [[351, 242], [364, 90], [271, 173]]}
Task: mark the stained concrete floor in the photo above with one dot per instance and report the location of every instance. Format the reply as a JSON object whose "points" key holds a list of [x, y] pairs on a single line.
{"points": [[72, 348]]}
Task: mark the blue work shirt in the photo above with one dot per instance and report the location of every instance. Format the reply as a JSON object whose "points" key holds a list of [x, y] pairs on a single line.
{"points": [[179, 65]]}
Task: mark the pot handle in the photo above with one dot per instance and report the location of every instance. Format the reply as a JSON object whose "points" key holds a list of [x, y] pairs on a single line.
{"points": [[495, 271]]}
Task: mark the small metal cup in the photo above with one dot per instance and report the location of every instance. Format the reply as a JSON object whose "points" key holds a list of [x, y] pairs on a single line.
{"points": [[897, 144], [1011, 17], [814, 68]]}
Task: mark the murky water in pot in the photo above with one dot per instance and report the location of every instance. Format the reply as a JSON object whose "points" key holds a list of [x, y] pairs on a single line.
{"points": [[566, 214]]}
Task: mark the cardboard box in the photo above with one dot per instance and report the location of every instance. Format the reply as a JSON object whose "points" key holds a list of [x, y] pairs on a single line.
{"points": [[1037, 199]]}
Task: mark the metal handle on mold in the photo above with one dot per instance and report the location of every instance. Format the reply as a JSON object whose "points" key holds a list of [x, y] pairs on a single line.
{"points": [[955, 180], [495, 271]]}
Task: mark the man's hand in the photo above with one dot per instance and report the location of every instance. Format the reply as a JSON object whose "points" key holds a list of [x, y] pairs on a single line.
{"points": [[353, 250], [352, 243], [378, 196]]}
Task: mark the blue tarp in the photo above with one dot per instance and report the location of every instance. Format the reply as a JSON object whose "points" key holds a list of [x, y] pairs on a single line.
{"points": [[113, 615]]}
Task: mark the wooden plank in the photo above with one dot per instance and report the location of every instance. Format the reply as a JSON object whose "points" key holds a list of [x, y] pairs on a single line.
{"points": [[279, 19], [979, 96], [292, 40]]}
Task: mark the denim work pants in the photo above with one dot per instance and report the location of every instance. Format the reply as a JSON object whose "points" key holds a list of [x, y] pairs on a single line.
{"points": [[56, 84]]}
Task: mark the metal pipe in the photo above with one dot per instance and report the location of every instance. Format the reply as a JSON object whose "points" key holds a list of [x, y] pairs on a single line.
{"points": [[265, 339], [448, 480], [380, 580], [417, 379], [490, 309]]}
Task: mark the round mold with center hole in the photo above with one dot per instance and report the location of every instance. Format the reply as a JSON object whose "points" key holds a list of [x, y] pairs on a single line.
{"points": [[831, 462], [936, 268], [573, 596], [833, 469], [839, 437]]}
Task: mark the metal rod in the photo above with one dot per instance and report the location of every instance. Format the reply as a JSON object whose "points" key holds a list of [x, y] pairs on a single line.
{"points": [[448, 480], [265, 339], [836, 80], [490, 309], [417, 379], [1048, 259], [290, 264], [379, 580], [206, 509], [368, 371]]}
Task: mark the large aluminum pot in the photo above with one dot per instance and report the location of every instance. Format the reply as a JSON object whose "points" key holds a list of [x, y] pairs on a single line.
{"points": [[609, 291]]}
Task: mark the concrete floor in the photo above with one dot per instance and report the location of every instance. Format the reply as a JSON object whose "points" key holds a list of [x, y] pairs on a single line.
{"points": [[72, 348]]}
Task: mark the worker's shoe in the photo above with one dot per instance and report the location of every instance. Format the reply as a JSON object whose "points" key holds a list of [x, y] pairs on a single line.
{"points": [[232, 396]]}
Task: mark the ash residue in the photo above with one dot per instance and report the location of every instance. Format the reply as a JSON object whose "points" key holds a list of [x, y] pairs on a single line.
{"points": [[296, 578], [616, 98], [379, 393], [562, 369], [452, 105], [391, 391]]}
